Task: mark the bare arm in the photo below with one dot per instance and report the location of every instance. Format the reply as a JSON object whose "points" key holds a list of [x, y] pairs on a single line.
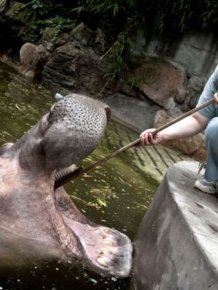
{"points": [[187, 127]]}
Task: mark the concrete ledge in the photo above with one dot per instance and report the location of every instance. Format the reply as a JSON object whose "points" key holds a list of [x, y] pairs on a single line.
{"points": [[177, 243]]}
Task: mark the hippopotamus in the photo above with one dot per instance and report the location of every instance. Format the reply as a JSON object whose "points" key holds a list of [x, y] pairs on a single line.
{"points": [[40, 223]]}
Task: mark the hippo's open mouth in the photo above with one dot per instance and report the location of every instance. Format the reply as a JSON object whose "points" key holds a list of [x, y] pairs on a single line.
{"points": [[44, 219]]}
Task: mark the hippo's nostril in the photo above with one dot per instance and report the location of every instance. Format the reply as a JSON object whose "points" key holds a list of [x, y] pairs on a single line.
{"points": [[108, 113]]}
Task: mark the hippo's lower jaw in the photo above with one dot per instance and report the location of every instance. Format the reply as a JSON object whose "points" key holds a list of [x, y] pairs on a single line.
{"points": [[104, 250], [107, 251]]}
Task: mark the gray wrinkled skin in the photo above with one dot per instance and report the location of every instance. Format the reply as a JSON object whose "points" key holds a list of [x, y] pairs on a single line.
{"points": [[79, 127], [39, 224]]}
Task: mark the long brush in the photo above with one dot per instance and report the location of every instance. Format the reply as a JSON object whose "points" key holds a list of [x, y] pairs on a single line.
{"points": [[71, 172]]}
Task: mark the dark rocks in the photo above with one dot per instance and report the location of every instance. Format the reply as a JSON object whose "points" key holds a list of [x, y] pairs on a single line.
{"points": [[32, 59], [73, 68], [90, 38], [163, 82]]}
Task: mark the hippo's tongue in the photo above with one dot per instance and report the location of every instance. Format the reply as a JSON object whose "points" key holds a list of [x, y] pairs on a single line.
{"points": [[107, 250]]}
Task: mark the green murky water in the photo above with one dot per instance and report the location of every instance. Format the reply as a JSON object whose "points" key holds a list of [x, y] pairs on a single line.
{"points": [[115, 195]]}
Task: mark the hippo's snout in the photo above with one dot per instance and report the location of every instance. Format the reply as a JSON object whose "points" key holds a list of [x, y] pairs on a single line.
{"points": [[76, 125]]}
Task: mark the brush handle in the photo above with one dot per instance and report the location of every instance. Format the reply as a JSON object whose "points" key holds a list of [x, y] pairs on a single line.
{"points": [[61, 182]]}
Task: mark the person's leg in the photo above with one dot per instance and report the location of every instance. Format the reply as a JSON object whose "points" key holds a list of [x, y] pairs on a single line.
{"points": [[209, 183]]}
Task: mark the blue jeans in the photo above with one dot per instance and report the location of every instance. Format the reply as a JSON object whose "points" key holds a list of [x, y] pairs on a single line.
{"points": [[211, 142]]}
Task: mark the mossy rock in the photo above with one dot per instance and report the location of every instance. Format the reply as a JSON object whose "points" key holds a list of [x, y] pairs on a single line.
{"points": [[19, 12], [51, 33], [3, 4]]}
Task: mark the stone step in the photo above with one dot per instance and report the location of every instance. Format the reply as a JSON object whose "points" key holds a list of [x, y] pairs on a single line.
{"points": [[177, 243]]}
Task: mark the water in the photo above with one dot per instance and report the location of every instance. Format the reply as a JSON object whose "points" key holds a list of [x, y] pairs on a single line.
{"points": [[115, 195]]}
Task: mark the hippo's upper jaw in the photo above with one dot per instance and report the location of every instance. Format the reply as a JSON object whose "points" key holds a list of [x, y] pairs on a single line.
{"points": [[47, 221], [68, 133]]}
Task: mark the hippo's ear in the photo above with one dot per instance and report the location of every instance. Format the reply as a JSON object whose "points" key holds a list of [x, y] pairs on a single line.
{"points": [[58, 97], [108, 113]]}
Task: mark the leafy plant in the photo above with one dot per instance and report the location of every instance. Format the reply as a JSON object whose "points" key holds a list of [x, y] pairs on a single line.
{"points": [[119, 55], [41, 8], [160, 16], [121, 19], [59, 22]]}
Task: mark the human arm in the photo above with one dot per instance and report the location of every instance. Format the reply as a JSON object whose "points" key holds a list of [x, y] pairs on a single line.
{"points": [[186, 127]]}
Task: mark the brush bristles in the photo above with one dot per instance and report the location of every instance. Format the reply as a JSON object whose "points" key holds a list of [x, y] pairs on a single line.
{"points": [[62, 173]]}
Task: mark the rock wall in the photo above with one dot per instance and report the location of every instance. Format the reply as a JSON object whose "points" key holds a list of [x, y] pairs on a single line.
{"points": [[173, 75], [175, 70], [196, 52]]}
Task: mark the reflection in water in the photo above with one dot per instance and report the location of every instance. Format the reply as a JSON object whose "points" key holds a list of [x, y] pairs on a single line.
{"points": [[115, 195], [61, 277]]}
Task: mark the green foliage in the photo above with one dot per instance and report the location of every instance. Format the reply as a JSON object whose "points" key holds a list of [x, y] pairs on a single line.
{"points": [[40, 7], [116, 54], [108, 7], [120, 55], [59, 22], [160, 16], [121, 19], [136, 80], [47, 14]]}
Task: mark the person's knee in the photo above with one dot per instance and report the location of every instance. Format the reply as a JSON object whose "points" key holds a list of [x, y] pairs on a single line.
{"points": [[211, 132]]}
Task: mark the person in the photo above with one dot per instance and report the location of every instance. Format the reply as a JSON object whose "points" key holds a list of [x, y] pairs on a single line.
{"points": [[205, 119]]}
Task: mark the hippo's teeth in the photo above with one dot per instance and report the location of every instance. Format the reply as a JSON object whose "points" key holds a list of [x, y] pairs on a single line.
{"points": [[104, 261], [62, 173]]}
